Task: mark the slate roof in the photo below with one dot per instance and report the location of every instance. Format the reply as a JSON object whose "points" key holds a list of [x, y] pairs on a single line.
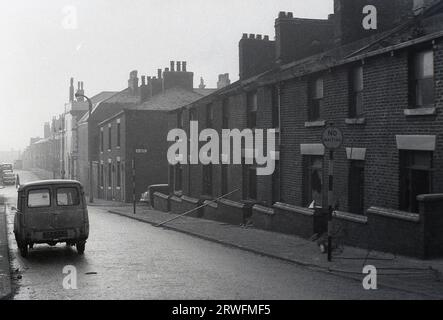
{"points": [[96, 100], [172, 99]]}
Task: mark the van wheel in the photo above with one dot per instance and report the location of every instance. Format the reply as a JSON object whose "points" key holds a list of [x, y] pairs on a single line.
{"points": [[81, 247], [24, 250]]}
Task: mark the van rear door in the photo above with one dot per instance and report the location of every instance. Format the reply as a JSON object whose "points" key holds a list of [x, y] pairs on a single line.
{"points": [[38, 209], [69, 211]]}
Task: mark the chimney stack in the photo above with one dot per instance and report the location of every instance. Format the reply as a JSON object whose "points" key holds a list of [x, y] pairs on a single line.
{"points": [[133, 82], [223, 81], [143, 80], [179, 66], [172, 66], [184, 66], [71, 91], [159, 73]]}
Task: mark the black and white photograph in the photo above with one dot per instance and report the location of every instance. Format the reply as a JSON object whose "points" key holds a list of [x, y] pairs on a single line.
{"points": [[221, 156]]}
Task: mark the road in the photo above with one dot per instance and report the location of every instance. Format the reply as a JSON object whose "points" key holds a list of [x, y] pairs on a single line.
{"points": [[128, 259]]}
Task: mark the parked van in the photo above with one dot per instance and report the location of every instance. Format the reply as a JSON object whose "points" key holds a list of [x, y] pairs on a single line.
{"points": [[51, 212]]}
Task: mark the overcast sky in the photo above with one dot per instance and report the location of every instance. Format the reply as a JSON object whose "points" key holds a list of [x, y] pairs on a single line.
{"points": [[42, 49]]}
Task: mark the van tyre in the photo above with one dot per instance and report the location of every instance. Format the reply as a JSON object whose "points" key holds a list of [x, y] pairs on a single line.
{"points": [[24, 250], [81, 247]]}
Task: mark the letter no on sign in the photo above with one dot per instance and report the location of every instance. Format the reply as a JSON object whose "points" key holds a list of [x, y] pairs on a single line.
{"points": [[332, 138]]}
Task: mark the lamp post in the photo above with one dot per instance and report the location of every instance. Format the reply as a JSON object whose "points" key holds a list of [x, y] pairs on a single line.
{"points": [[91, 192]]}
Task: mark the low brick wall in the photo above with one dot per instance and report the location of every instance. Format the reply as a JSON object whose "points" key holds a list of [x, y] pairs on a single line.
{"points": [[176, 204], [411, 234], [432, 208], [232, 212], [262, 217], [189, 204], [350, 229], [395, 231], [210, 211], [161, 202], [297, 221]]}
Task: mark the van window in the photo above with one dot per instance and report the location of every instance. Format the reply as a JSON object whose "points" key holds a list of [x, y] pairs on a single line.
{"points": [[68, 197], [39, 198]]}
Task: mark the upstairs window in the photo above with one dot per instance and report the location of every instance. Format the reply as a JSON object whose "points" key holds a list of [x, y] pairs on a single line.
{"points": [[356, 92], [225, 114], [276, 107], [109, 137], [193, 115], [102, 140], [118, 134], [210, 116], [422, 79], [180, 120], [252, 107], [315, 99]]}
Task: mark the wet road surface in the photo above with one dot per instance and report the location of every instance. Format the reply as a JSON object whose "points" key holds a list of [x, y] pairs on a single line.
{"points": [[128, 259]]}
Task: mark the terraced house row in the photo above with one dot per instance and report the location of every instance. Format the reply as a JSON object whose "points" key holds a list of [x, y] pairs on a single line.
{"points": [[382, 86], [383, 89]]}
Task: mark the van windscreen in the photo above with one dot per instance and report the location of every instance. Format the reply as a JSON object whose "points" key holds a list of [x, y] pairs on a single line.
{"points": [[39, 198], [68, 197]]}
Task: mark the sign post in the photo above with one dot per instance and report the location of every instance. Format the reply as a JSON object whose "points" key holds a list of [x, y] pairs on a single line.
{"points": [[134, 200], [332, 139]]}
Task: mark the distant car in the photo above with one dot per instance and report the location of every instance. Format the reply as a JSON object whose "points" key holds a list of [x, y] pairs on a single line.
{"points": [[148, 196], [8, 177]]}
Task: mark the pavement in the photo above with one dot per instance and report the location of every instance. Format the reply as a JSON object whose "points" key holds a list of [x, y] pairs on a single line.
{"points": [[5, 274], [395, 272]]}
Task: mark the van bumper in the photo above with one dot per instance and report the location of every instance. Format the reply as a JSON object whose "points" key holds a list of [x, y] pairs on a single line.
{"points": [[59, 235]]}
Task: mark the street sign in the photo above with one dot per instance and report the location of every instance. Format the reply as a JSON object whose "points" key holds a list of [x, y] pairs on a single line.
{"points": [[332, 138], [141, 150]]}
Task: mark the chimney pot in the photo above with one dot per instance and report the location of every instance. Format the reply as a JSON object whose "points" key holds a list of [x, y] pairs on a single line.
{"points": [[159, 73], [179, 66], [172, 66], [184, 66], [143, 80]]}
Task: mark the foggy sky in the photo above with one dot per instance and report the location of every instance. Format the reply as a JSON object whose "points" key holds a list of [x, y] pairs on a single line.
{"points": [[38, 55]]}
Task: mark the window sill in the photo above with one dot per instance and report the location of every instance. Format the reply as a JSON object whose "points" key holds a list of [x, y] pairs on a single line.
{"points": [[420, 112], [355, 121], [315, 124]]}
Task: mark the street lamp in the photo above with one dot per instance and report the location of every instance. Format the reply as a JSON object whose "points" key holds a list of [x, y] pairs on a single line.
{"points": [[91, 192]]}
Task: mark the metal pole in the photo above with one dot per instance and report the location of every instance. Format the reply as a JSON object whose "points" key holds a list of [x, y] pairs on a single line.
{"points": [[91, 184], [133, 185], [330, 202]]}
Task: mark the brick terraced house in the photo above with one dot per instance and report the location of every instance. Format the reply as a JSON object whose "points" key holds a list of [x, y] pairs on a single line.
{"points": [[383, 88], [142, 126]]}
